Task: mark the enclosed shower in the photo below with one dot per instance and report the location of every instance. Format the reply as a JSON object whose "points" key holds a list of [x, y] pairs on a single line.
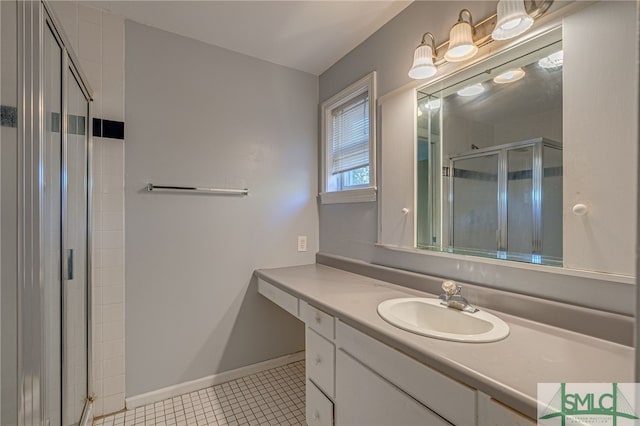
{"points": [[489, 178], [506, 201], [44, 217]]}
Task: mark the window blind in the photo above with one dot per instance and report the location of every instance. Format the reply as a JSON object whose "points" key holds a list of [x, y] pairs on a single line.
{"points": [[350, 135]]}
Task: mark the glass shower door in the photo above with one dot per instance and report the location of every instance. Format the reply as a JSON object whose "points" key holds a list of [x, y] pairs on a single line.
{"points": [[552, 203], [522, 208], [44, 328], [506, 201], [474, 223], [8, 214], [75, 295], [52, 232]]}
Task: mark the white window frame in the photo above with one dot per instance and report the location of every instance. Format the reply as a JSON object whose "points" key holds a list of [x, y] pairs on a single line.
{"points": [[358, 195]]}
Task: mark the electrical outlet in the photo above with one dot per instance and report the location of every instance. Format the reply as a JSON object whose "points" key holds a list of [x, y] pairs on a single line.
{"points": [[302, 243]]}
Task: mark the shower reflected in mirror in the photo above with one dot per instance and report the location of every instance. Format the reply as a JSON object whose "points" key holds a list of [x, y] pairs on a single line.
{"points": [[489, 161]]}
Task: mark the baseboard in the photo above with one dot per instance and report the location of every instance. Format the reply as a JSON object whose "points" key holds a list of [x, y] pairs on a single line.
{"points": [[205, 382]]}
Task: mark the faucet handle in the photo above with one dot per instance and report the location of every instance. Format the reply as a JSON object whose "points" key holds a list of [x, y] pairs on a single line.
{"points": [[450, 288]]}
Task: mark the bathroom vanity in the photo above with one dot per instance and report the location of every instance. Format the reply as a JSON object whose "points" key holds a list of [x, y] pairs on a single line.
{"points": [[362, 370]]}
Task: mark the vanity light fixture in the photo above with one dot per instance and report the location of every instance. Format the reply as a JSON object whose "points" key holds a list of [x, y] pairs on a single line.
{"points": [[473, 90], [553, 61], [509, 76], [513, 20], [423, 66], [461, 44]]}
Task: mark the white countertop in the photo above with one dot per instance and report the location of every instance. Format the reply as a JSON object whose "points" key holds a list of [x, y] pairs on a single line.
{"points": [[508, 370]]}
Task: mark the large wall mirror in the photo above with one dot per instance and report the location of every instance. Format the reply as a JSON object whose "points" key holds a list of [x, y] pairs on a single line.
{"points": [[489, 158], [484, 167]]}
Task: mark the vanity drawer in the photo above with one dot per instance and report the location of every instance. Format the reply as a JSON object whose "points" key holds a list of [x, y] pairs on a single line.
{"points": [[365, 398], [320, 361], [318, 320], [281, 298], [319, 408], [454, 401], [494, 413]]}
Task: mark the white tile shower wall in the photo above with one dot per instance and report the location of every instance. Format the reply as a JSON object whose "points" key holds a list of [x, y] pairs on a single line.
{"points": [[97, 38]]}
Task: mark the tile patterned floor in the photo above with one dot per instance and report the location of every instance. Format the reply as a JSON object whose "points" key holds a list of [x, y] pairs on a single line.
{"points": [[271, 397]]}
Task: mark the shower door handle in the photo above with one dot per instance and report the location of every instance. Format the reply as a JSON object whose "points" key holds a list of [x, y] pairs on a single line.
{"points": [[70, 264]]}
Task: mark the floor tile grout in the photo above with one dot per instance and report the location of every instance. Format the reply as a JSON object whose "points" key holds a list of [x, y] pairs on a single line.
{"points": [[270, 397]]}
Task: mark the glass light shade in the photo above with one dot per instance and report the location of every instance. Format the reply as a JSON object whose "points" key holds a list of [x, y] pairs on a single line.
{"points": [[423, 66], [509, 76], [461, 45], [473, 90], [513, 20], [555, 60]]}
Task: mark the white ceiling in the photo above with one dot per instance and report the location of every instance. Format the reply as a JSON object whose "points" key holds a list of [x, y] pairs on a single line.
{"points": [[306, 35]]}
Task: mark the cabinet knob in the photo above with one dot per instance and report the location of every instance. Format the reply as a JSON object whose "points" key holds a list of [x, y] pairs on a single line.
{"points": [[318, 360], [580, 209], [316, 415], [318, 318]]}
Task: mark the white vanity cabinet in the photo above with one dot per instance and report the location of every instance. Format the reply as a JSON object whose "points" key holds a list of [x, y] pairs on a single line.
{"points": [[353, 379]]}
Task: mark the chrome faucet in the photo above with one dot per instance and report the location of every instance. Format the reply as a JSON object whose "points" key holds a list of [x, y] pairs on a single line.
{"points": [[453, 298]]}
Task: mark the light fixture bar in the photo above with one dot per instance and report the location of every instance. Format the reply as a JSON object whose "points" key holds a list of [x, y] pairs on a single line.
{"points": [[537, 9]]}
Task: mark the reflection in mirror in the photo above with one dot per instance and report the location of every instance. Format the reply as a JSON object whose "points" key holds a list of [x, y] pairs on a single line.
{"points": [[489, 161]]}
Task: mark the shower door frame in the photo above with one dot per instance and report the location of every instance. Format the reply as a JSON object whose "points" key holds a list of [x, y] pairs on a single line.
{"points": [[33, 18], [502, 171]]}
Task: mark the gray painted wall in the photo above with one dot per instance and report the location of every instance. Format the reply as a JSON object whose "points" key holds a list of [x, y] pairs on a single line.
{"points": [[202, 115], [350, 230], [389, 50]]}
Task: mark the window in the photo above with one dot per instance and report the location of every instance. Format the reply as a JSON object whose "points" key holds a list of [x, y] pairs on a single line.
{"points": [[348, 144]]}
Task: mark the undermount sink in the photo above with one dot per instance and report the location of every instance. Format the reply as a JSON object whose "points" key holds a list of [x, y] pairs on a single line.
{"points": [[429, 318]]}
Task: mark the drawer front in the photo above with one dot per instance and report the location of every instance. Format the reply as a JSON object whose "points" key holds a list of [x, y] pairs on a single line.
{"points": [[365, 398], [320, 361], [449, 398], [281, 298], [494, 413], [319, 408], [318, 320]]}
